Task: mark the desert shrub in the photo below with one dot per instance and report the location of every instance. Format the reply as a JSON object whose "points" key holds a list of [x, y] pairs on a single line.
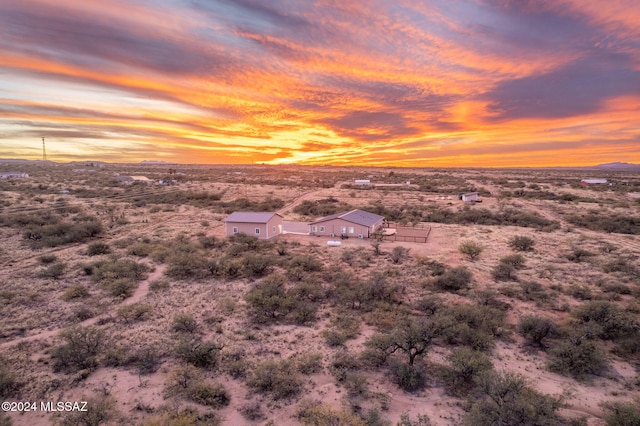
{"points": [[302, 312], [134, 312], [268, 300], [408, 377], [77, 291], [455, 279], [622, 413], [356, 384], [121, 288], [342, 364], [324, 207], [186, 417], [184, 323], [252, 411], [98, 248], [344, 327], [54, 271], [5, 420], [146, 360], [421, 420], [521, 243], [505, 399], [159, 285], [46, 259], [398, 254], [198, 352], [234, 363], [309, 363], [503, 272], [62, 233], [140, 249], [104, 271], [517, 261], [257, 265], [578, 255], [535, 329], [625, 265], [184, 266], [613, 322], [211, 395], [429, 305], [465, 366], [276, 378], [9, 385], [612, 223], [315, 413], [79, 350], [578, 359], [100, 410], [308, 263], [471, 249], [470, 325]]}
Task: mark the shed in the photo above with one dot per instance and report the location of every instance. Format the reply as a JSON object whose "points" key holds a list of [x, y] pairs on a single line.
{"points": [[263, 225], [362, 182], [354, 223], [469, 197]]}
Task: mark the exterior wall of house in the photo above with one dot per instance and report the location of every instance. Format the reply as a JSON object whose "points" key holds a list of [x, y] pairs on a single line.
{"points": [[267, 230], [335, 226]]}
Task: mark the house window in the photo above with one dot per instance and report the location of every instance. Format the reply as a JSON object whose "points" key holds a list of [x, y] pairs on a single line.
{"points": [[314, 228], [274, 228], [322, 229], [343, 229], [257, 231], [351, 230], [235, 229]]}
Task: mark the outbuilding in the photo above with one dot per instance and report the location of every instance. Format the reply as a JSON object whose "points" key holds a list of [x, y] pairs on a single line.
{"points": [[263, 225], [354, 223], [469, 197], [593, 181]]}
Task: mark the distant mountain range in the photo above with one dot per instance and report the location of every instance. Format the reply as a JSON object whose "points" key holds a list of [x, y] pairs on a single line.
{"points": [[618, 166]]}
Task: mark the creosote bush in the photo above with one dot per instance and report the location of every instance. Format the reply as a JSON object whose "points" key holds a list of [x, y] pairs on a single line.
{"points": [[578, 358], [276, 378], [98, 248], [536, 328], [521, 243], [471, 249], [80, 349], [454, 279], [506, 399]]}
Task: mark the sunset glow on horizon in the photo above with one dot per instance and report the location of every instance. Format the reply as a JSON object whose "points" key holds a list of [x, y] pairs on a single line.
{"points": [[469, 83]]}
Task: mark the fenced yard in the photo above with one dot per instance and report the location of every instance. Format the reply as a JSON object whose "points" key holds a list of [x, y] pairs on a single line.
{"points": [[408, 234]]}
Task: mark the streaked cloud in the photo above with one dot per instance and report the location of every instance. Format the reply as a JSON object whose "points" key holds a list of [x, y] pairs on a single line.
{"points": [[433, 83]]}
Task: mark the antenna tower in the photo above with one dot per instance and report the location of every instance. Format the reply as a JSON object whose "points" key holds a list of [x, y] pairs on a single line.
{"points": [[44, 151]]}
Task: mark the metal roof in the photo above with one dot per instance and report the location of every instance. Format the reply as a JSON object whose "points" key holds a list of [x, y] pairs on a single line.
{"points": [[359, 217], [250, 217]]}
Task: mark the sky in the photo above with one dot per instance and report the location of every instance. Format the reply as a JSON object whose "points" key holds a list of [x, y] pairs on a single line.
{"points": [[434, 83]]}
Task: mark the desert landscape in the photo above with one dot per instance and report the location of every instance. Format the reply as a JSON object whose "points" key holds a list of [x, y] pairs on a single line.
{"points": [[523, 308]]}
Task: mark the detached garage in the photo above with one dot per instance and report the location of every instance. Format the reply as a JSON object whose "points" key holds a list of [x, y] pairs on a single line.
{"points": [[263, 225], [355, 223]]}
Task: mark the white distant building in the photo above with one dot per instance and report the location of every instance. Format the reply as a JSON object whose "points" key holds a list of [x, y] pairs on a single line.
{"points": [[362, 182], [593, 181], [14, 175], [132, 179]]}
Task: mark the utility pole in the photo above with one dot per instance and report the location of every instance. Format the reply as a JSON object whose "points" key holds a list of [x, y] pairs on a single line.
{"points": [[44, 151]]}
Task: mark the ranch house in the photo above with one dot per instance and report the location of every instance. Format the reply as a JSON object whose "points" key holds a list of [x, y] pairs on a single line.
{"points": [[355, 223], [263, 225]]}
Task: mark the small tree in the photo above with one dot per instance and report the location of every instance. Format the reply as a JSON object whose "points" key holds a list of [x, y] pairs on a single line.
{"points": [[471, 249]]}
